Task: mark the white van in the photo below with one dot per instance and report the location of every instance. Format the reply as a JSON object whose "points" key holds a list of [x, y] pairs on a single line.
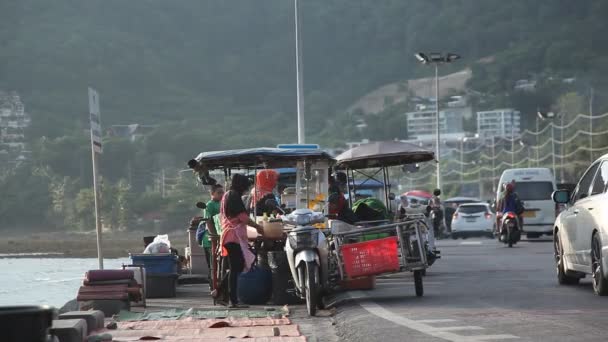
{"points": [[534, 186]]}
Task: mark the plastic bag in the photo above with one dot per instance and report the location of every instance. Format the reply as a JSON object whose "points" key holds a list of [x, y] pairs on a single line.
{"points": [[161, 244]]}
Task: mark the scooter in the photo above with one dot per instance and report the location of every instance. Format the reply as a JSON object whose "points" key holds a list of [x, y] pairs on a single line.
{"points": [[307, 253], [438, 222], [509, 233]]}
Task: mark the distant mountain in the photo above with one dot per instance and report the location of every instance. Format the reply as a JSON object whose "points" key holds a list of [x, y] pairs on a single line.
{"points": [[157, 61]]}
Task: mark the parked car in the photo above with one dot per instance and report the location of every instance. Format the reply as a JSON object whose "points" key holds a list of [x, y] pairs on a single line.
{"points": [[534, 187], [473, 219], [580, 235]]}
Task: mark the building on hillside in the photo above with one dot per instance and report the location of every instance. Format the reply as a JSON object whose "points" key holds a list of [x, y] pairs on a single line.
{"points": [[422, 125], [354, 144], [525, 85], [498, 123], [13, 122], [131, 132]]}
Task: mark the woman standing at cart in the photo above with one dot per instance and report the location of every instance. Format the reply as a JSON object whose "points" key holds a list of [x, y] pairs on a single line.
{"points": [[235, 219]]}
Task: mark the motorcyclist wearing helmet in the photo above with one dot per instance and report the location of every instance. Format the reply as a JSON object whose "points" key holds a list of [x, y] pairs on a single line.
{"points": [[509, 202]]}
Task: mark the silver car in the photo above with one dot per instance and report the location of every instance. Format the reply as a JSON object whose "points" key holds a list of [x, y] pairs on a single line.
{"points": [[580, 234]]}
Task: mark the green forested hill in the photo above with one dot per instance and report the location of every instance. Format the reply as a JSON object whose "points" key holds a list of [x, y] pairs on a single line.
{"points": [[156, 60], [221, 74]]}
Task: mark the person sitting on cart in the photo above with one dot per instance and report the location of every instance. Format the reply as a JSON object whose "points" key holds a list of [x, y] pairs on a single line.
{"points": [[338, 207], [266, 182], [235, 219]]}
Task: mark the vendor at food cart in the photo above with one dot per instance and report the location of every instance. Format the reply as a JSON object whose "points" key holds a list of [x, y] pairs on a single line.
{"points": [[266, 182], [234, 220]]}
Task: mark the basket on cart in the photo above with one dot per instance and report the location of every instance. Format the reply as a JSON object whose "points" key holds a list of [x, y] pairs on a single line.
{"points": [[371, 257]]}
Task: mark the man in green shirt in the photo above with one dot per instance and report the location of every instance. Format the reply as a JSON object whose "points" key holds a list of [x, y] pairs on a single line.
{"points": [[212, 209]]}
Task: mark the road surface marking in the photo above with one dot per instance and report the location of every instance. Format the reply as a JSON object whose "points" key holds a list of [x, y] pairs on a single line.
{"points": [[427, 321], [471, 243], [464, 327], [424, 328]]}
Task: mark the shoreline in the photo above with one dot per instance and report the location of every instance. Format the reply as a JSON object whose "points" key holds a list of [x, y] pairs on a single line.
{"points": [[81, 245]]}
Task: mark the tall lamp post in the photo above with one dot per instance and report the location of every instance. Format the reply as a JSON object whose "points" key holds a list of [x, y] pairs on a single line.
{"points": [[437, 58], [300, 95], [550, 116]]}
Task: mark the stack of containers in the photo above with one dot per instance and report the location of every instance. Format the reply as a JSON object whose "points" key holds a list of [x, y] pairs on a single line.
{"points": [[161, 273]]}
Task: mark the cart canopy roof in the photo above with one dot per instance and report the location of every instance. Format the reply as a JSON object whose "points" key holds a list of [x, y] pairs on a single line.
{"points": [[383, 154], [417, 193], [267, 157]]}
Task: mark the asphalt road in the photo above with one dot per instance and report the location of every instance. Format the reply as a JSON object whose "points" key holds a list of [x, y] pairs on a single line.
{"points": [[479, 291]]}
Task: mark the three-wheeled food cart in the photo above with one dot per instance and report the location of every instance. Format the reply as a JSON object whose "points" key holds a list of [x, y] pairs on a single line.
{"points": [[311, 185], [393, 247]]}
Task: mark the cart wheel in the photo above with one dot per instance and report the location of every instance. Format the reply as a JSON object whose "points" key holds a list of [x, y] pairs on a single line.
{"points": [[418, 283]]}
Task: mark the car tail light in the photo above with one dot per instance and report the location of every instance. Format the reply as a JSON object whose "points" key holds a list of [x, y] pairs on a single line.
{"points": [[488, 216], [455, 216]]}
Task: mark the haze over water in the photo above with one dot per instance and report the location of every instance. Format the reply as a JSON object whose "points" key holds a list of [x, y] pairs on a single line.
{"points": [[51, 281]]}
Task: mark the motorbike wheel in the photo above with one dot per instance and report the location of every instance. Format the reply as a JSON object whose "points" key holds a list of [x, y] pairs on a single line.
{"points": [[510, 237], [310, 288], [418, 283]]}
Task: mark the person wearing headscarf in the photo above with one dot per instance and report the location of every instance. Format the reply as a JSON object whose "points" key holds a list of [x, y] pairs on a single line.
{"points": [[234, 219], [266, 181]]}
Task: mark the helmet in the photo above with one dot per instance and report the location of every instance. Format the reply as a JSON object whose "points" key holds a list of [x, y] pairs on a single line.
{"points": [[436, 192], [510, 187]]}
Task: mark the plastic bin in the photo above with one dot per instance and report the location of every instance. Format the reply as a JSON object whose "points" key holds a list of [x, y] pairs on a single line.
{"points": [[255, 287], [156, 263], [161, 285], [371, 257], [25, 323]]}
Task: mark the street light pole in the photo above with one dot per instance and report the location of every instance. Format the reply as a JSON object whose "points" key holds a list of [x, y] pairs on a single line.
{"points": [[437, 58], [553, 146], [437, 126], [591, 124], [561, 148], [537, 147], [493, 162], [462, 160], [299, 96]]}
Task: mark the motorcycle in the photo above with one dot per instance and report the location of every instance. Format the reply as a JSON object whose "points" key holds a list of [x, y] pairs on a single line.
{"points": [[307, 254], [510, 232]]}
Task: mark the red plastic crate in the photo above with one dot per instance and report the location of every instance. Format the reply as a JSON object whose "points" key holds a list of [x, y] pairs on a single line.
{"points": [[371, 257]]}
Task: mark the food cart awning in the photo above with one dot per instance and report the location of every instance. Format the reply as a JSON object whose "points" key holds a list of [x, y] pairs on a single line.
{"points": [[383, 154], [268, 157]]}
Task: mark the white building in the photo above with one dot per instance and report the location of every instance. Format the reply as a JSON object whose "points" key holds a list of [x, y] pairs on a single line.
{"points": [[498, 123], [422, 125], [13, 122]]}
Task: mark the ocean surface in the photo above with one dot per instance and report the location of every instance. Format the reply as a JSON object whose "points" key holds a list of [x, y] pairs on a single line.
{"points": [[51, 281]]}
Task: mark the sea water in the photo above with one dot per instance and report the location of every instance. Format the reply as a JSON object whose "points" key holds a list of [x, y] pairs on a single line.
{"points": [[51, 281]]}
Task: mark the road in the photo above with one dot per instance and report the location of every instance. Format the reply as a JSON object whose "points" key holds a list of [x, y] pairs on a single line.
{"points": [[479, 291]]}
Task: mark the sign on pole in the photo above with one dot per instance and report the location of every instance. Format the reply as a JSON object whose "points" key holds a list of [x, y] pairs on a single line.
{"points": [[96, 148], [95, 120]]}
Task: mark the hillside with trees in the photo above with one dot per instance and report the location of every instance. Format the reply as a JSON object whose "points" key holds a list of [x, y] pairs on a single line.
{"points": [[221, 74]]}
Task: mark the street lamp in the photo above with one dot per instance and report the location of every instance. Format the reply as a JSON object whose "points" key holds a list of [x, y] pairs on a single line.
{"points": [[437, 58], [522, 144], [550, 116], [299, 95]]}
